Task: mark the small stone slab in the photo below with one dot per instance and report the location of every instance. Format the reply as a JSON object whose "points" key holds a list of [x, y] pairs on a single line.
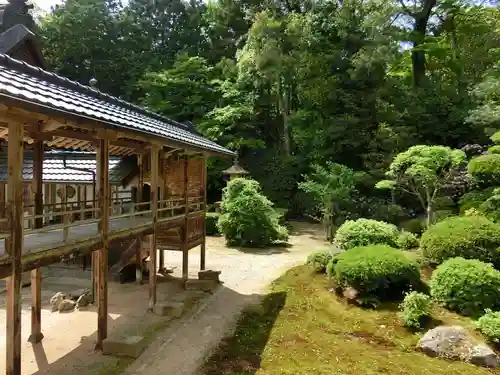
{"points": [[203, 285], [209, 275], [172, 309], [131, 346]]}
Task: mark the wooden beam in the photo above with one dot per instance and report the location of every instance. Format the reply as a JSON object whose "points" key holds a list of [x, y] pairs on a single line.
{"points": [[47, 256], [154, 168], [36, 275], [93, 137], [64, 209], [104, 200], [185, 253], [2, 199], [163, 196], [138, 198], [15, 194], [50, 125], [204, 191]]}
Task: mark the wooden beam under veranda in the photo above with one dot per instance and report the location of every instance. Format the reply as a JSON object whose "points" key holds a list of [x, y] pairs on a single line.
{"points": [[36, 277], [154, 170], [15, 192], [102, 263]]}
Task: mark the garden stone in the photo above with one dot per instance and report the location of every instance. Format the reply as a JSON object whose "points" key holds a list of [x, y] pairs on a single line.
{"points": [[209, 275], [482, 355], [56, 300], [451, 342], [67, 305], [454, 342], [83, 301], [350, 294], [76, 294]]}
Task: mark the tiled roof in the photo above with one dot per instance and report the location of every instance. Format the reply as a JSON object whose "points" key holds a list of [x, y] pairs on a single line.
{"points": [[23, 82], [54, 170]]}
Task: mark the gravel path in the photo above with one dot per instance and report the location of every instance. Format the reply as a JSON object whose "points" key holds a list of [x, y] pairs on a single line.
{"points": [[183, 347]]}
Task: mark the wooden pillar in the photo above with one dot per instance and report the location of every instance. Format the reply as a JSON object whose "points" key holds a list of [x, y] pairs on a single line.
{"points": [[15, 192], [204, 190], [185, 250], [2, 200], [64, 209], [140, 180], [102, 279], [46, 200], [161, 196], [36, 274], [138, 198], [82, 197], [53, 199], [154, 215]]}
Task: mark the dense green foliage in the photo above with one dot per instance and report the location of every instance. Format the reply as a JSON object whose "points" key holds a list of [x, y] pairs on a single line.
{"points": [[318, 92], [247, 217], [364, 232], [407, 240], [423, 171], [319, 260], [470, 237], [489, 325], [414, 308], [377, 271], [467, 286], [211, 220]]}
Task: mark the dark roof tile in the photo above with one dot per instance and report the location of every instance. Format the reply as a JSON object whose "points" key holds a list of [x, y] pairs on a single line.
{"points": [[24, 82], [54, 170]]}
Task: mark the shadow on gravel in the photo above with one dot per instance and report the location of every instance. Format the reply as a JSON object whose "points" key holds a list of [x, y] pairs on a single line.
{"points": [[240, 353]]}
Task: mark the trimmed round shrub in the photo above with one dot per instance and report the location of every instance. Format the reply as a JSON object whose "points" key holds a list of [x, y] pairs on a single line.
{"points": [[489, 325], [485, 169], [467, 286], [376, 271], [415, 226], [247, 216], [470, 237], [494, 149], [474, 200], [319, 260], [414, 309], [407, 240], [363, 232]]}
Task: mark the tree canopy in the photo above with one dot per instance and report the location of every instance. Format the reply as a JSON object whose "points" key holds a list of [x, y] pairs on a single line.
{"points": [[297, 87]]}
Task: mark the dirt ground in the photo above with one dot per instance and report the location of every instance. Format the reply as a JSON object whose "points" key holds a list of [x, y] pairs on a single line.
{"points": [[178, 347]]}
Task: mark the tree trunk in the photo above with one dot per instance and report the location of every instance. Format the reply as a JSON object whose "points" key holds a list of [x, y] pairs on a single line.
{"points": [[283, 100], [429, 207], [419, 32]]}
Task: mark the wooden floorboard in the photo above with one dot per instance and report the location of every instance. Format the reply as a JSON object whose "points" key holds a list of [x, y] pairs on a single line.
{"points": [[35, 241]]}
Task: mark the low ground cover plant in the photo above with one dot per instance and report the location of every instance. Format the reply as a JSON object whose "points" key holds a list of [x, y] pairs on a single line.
{"points": [[414, 309]]}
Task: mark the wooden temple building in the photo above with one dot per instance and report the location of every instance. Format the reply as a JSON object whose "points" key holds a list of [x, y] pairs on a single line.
{"points": [[40, 112]]}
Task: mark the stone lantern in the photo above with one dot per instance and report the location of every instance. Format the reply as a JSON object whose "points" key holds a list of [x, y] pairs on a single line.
{"points": [[234, 171]]}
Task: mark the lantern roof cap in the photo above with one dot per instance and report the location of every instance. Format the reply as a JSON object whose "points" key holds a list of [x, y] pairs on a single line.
{"points": [[235, 169]]}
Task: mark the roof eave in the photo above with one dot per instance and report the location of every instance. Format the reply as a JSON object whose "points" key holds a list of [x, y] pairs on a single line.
{"points": [[41, 108]]}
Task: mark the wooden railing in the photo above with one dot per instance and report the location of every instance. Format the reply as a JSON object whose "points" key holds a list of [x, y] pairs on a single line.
{"points": [[64, 216]]}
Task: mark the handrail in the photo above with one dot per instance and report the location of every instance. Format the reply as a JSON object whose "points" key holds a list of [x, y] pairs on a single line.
{"points": [[49, 228]]}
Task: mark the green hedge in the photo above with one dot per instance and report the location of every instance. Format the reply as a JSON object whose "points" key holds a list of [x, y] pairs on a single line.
{"points": [[467, 286], [211, 224], [378, 271], [363, 232], [470, 237]]}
